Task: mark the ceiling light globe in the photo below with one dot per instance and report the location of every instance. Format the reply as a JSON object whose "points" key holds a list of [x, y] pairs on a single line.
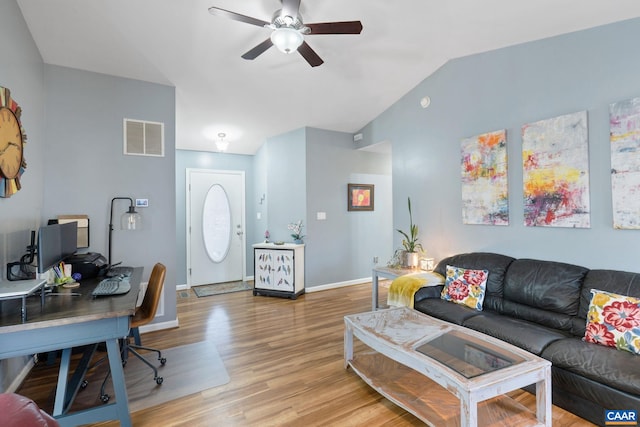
{"points": [[287, 40]]}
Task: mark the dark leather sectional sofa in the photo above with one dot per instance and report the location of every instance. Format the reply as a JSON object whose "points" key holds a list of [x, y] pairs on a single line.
{"points": [[541, 306]]}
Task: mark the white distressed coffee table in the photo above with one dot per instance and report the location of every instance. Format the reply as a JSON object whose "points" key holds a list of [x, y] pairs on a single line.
{"points": [[443, 373]]}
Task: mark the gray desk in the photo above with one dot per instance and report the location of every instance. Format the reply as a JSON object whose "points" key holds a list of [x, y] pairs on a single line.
{"points": [[67, 321]]}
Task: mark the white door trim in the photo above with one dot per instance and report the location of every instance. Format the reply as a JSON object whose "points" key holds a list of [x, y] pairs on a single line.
{"points": [[188, 172]]}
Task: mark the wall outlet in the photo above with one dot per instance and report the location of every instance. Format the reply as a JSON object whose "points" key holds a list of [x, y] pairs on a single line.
{"points": [[375, 259]]}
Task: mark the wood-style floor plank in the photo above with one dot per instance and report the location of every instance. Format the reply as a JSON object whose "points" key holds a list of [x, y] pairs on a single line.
{"points": [[285, 361]]}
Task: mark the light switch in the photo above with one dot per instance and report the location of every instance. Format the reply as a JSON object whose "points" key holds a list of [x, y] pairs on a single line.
{"points": [[259, 215], [321, 216]]}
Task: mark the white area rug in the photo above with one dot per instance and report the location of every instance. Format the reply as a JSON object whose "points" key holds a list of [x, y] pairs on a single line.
{"points": [[189, 369]]}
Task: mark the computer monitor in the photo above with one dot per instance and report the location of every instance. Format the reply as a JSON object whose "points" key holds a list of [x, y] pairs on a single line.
{"points": [[56, 242], [68, 239], [49, 247]]}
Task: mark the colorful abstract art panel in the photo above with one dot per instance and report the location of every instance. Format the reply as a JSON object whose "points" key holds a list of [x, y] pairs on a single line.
{"points": [[485, 198], [555, 159], [624, 117]]}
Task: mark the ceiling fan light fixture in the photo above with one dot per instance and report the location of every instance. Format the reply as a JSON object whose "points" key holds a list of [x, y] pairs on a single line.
{"points": [[286, 39], [222, 145]]}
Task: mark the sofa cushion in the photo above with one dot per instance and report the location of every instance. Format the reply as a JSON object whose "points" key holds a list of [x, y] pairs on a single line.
{"points": [[496, 264], [465, 286], [543, 292], [527, 335], [614, 321], [606, 365], [549, 285], [444, 310]]}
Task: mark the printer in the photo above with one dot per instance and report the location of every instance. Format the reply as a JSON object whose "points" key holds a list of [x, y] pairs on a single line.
{"points": [[90, 264]]}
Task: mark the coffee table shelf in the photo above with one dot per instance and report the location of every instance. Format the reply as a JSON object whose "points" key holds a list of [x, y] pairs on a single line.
{"points": [[430, 402], [435, 391]]}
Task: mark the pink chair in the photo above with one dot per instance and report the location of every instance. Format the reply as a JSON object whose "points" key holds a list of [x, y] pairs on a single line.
{"points": [[20, 411]]}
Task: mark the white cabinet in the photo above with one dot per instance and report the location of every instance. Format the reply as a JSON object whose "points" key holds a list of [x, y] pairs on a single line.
{"points": [[278, 269]]}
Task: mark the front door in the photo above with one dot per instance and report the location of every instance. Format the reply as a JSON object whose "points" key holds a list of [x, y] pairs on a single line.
{"points": [[215, 226]]}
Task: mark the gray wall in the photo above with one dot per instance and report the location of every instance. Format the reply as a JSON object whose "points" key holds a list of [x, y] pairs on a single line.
{"points": [[216, 161], [507, 88], [307, 171], [300, 173], [86, 168], [286, 197], [342, 247], [22, 71]]}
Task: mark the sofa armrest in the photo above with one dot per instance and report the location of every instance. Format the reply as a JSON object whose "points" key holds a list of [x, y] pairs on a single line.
{"points": [[428, 292]]}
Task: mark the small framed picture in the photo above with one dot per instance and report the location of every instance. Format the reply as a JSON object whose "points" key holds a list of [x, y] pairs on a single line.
{"points": [[360, 197], [142, 203]]}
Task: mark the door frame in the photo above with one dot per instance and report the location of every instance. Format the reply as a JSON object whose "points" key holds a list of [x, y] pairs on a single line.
{"points": [[243, 243]]}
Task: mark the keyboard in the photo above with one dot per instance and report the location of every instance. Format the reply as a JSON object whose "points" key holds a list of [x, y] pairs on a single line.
{"points": [[112, 286], [119, 271]]}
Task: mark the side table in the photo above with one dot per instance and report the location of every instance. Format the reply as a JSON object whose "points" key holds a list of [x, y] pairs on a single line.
{"points": [[387, 273]]}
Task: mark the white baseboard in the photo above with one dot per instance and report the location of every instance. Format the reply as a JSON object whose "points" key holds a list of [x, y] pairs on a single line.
{"points": [[337, 285], [159, 326], [18, 380], [310, 289], [186, 287]]}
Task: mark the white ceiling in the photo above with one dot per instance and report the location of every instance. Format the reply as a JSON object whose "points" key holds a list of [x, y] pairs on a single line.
{"points": [[177, 42]]}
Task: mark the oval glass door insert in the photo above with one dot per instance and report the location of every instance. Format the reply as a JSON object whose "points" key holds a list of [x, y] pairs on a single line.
{"points": [[216, 223]]}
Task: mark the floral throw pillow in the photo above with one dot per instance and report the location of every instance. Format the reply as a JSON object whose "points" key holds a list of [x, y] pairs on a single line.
{"points": [[614, 320], [465, 286]]}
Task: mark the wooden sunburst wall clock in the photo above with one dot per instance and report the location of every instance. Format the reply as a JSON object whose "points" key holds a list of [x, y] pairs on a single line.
{"points": [[12, 140]]}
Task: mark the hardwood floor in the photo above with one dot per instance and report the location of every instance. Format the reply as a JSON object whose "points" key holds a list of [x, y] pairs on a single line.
{"points": [[285, 361]]}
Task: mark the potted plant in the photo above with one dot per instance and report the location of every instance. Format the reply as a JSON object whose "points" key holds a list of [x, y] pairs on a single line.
{"points": [[296, 228], [410, 241]]}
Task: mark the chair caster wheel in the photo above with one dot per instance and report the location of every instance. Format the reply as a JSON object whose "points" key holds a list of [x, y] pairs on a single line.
{"points": [[159, 380], [105, 398], [84, 384], [163, 360]]}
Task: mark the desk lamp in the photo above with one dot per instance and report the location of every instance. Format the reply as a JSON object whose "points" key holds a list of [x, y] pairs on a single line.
{"points": [[130, 220]]}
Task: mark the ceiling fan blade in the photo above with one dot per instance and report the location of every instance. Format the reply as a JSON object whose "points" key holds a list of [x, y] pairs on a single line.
{"points": [[258, 50], [310, 55], [237, 17], [347, 27], [290, 7]]}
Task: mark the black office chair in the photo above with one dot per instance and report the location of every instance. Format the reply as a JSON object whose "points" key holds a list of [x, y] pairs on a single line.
{"points": [[144, 314]]}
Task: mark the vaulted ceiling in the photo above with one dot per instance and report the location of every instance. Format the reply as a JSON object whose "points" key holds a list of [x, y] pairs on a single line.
{"points": [[178, 43]]}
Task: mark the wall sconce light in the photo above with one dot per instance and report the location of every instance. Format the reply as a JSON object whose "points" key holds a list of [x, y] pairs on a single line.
{"points": [[130, 220]]}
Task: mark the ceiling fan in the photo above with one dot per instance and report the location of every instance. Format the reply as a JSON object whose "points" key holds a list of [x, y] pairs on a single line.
{"points": [[289, 30]]}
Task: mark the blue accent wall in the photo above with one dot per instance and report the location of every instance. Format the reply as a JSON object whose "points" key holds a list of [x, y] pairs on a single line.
{"points": [[22, 71], [505, 89]]}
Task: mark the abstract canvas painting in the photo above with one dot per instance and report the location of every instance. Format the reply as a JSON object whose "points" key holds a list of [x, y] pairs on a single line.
{"points": [[555, 160], [624, 117], [484, 179]]}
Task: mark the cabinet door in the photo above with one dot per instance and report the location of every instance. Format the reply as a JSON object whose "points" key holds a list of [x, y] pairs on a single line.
{"points": [[283, 271], [264, 269]]}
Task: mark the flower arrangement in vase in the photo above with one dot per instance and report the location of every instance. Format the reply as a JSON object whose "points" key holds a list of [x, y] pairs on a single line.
{"points": [[296, 229]]}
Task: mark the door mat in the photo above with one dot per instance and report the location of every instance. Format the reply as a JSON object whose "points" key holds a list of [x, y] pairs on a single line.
{"points": [[221, 288]]}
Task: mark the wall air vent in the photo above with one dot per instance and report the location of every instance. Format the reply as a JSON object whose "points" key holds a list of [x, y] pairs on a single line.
{"points": [[143, 138]]}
